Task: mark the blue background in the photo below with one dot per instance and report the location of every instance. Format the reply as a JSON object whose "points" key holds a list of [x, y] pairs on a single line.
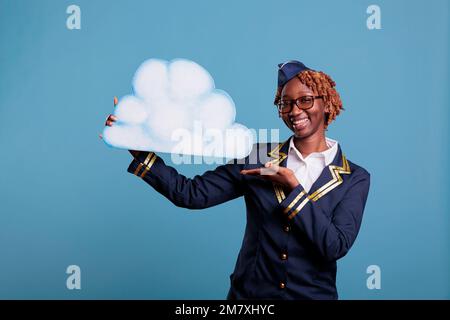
{"points": [[66, 197]]}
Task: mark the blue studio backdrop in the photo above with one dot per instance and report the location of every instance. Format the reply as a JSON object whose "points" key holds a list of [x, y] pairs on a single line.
{"points": [[66, 198]]}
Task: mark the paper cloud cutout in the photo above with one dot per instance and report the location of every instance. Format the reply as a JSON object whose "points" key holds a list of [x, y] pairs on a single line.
{"points": [[175, 108]]}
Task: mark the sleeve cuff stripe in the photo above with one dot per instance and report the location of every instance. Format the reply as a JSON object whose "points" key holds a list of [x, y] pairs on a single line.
{"points": [[138, 169], [147, 168], [279, 193], [146, 161], [300, 207], [293, 203]]}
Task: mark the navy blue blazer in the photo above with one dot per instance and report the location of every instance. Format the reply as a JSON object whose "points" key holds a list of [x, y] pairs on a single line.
{"points": [[292, 240]]}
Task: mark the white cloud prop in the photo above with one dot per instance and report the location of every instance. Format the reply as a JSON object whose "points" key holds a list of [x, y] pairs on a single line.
{"points": [[175, 108]]}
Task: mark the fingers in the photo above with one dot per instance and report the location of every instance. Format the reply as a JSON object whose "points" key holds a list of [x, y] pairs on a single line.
{"points": [[110, 120], [252, 172], [259, 172], [268, 169]]}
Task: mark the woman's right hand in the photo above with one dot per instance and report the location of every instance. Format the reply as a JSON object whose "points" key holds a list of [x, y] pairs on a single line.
{"points": [[110, 121]]}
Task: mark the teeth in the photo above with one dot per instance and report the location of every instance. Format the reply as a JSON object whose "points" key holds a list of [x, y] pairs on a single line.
{"points": [[300, 121]]}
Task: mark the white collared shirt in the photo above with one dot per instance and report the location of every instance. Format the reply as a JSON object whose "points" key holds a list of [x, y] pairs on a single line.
{"points": [[308, 169]]}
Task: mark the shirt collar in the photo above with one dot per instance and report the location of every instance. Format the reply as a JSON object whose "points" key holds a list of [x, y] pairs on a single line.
{"points": [[328, 155]]}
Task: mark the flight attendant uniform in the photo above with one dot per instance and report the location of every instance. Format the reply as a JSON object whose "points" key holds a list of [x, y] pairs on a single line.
{"points": [[292, 239]]}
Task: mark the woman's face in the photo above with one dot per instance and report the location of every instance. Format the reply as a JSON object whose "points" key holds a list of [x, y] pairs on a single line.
{"points": [[304, 123]]}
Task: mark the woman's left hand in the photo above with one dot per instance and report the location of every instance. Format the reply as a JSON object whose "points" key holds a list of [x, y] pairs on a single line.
{"points": [[275, 173]]}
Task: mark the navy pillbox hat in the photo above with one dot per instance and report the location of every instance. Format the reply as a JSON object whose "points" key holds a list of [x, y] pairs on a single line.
{"points": [[288, 70]]}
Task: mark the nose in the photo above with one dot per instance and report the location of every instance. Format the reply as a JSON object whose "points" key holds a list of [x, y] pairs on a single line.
{"points": [[295, 111]]}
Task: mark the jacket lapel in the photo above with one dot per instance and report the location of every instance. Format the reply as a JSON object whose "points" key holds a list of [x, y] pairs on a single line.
{"points": [[278, 156], [329, 179]]}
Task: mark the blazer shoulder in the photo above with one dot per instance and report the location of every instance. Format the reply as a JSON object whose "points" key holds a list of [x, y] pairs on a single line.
{"points": [[358, 171]]}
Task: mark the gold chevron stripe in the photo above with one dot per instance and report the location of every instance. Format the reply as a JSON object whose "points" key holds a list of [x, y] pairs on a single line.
{"points": [[275, 153], [278, 158], [335, 181], [330, 185], [336, 172]]}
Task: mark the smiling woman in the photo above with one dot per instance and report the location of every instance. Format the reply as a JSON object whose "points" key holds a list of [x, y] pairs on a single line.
{"points": [[304, 199], [306, 85]]}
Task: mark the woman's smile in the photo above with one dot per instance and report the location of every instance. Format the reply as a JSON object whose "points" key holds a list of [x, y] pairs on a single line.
{"points": [[299, 122]]}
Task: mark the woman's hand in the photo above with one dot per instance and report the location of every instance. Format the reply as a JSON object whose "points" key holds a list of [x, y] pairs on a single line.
{"points": [[110, 121], [275, 173]]}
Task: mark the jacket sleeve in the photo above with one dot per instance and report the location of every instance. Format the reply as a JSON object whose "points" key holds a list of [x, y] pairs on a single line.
{"points": [[332, 234], [203, 191]]}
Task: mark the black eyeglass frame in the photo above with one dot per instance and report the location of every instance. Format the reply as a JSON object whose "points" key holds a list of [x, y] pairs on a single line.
{"points": [[297, 103]]}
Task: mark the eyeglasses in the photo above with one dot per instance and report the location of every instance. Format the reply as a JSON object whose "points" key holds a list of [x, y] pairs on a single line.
{"points": [[303, 103]]}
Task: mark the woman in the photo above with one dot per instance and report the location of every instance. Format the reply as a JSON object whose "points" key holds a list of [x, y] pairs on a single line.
{"points": [[304, 199]]}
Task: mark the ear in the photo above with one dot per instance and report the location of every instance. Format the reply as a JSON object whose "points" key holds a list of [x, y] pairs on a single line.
{"points": [[327, 107]]}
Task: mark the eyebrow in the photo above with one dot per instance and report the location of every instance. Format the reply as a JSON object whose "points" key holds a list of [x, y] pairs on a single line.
{"points": [[299, 94]]}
